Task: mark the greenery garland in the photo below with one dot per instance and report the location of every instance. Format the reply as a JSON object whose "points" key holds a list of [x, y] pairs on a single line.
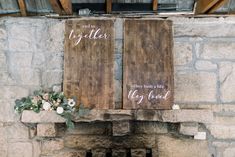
{"points": [[49, 101]]}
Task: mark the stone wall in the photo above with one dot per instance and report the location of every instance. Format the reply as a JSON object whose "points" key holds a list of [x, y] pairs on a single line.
{"points": [[31, 57]]}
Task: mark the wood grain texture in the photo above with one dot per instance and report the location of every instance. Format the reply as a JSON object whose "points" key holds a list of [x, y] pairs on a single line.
{"points": [[67, 6], [22, 7], [155, 5], [148, 64], [88, 65], [56, 6], [108, 6], [203, 6], [217, 6]]}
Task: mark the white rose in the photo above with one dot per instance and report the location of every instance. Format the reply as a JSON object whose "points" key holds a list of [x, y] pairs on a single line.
{"points": [[59, 110], [71, 102], [46, 106]]}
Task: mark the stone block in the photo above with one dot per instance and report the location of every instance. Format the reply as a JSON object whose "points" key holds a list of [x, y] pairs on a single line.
{"points": [[55, 62], [71, 153], [97, 128], [150, 127], [46, 130], [182, 53], [118, 46], [20, 149], [36, 148], [26, 76], [99, 153], [206, 27], [39, 60], [109, 142], [119, 153], [3, 61], [190, 129], [121, 128], [21, 133], [229, 152], [176, 147], [222, 131], [138, 152], [176, 116], [21, 60], [50, 78], [17, 45], [24, 32], [218, 50], [118, 25], [205, 65], [13, 92], [3, 149], [3, 33], [51, 145], [224, 120], [195, 87], [56, 36], [118, 91], [227, 83], [42, 117], [7, 110]]}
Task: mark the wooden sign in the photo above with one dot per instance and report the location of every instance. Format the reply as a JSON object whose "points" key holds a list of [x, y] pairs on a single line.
{"points": [[148, 64], [88, 62]]}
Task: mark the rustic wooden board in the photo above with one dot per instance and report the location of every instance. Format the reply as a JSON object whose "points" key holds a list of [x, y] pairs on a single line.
{"points": [[148, 64], [89, 62]]}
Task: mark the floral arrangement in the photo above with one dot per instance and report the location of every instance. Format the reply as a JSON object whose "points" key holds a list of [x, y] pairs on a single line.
{"points": [[52, 101]]}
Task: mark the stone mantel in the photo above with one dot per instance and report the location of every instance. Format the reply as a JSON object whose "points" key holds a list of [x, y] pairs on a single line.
{"points": [[171, 116]]}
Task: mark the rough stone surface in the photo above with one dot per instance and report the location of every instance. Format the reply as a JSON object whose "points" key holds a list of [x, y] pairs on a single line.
{"points": [[150, 128], [119, 153], [52, 145], [46, 130], [205, 65], [206, 27], [20, 149], [42, 117], [99, 153], [138, 152], [218, 50], [195, 87], [175, 116], [222, 131], [227, 83], [121, 142], [121, 128], [173, 147], [182, 53], [22, 132], [229, 152], [72, 153], [99, 128], [189, 128]]}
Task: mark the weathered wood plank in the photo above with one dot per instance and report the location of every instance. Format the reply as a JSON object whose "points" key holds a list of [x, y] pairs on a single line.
{"points": [[22, 7], [155, 5], [89, 61], [67, 6], [56, 6], [148, 64], [108, 6], [203, 6], [217, 6]]}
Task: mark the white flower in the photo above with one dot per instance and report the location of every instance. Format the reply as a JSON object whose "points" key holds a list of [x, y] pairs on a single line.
{"points": [[59, 110], [71, 102], [46, 106]]}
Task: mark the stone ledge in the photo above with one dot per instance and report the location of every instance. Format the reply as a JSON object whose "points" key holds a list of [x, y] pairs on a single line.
{"points": [[172, 116]]}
